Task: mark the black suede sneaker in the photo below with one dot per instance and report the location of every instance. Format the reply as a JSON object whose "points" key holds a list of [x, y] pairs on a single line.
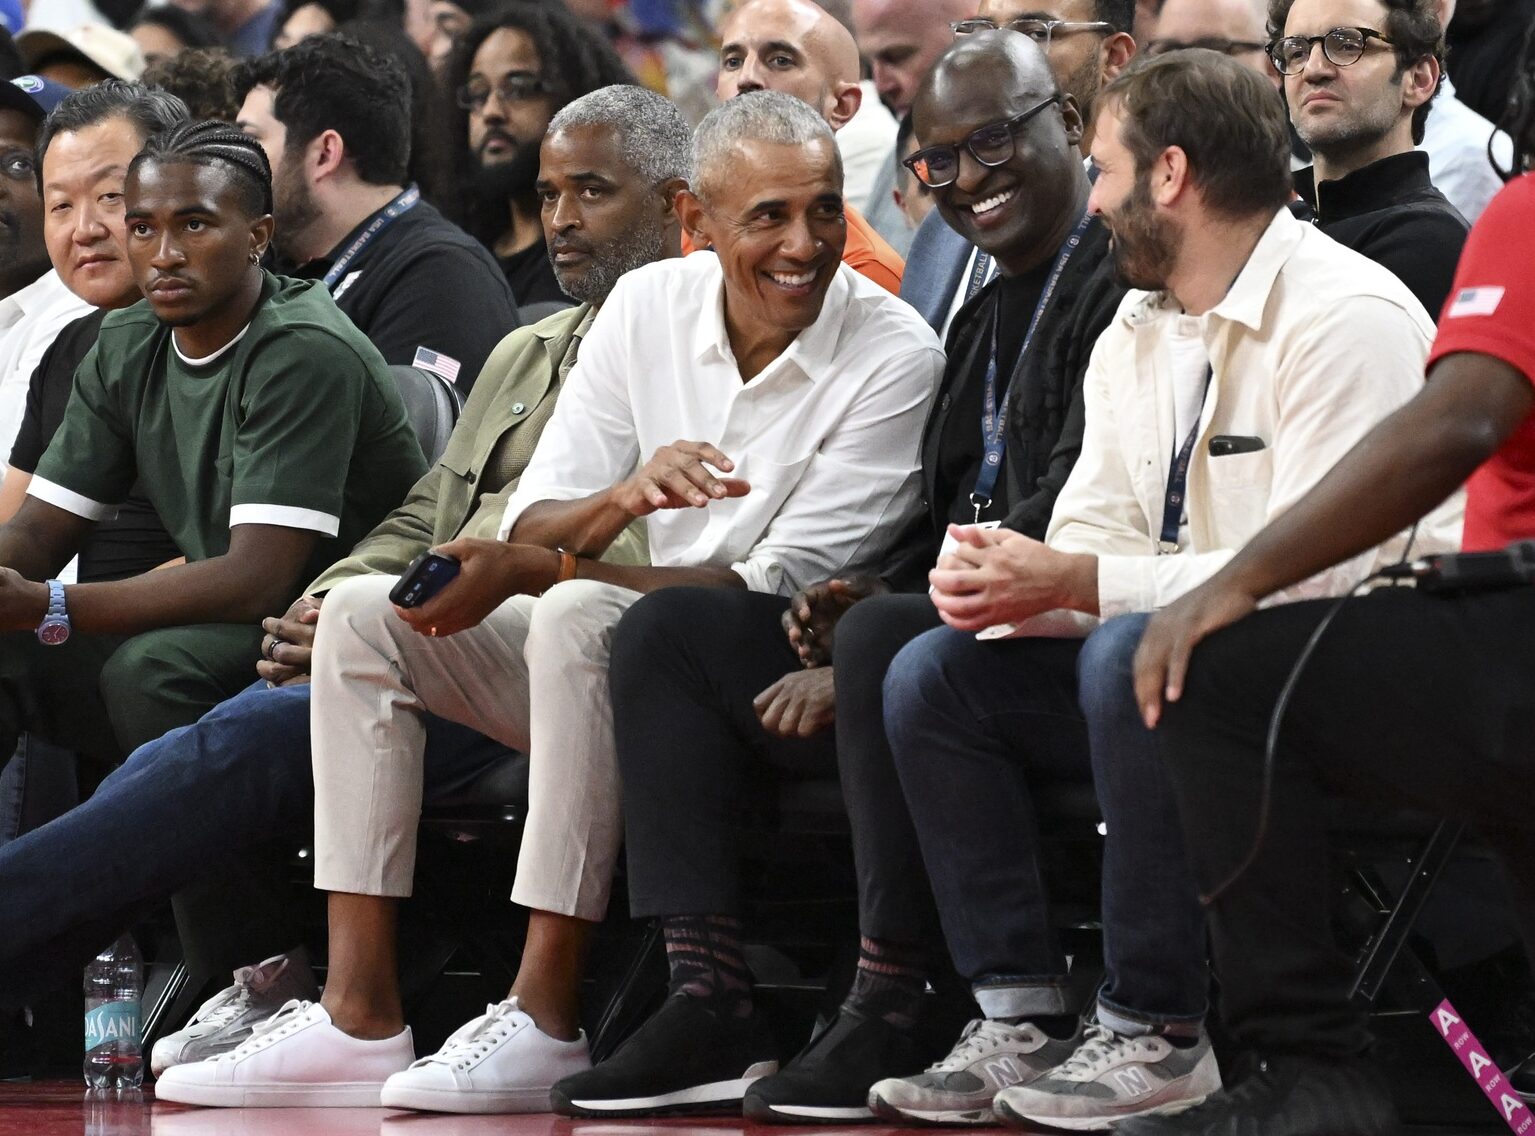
{"points": [[1286, 1096], [685, 1059], [829, 1080]]}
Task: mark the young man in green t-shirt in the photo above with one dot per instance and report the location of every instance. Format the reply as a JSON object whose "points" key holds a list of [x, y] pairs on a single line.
{"points": [[264, 428]]}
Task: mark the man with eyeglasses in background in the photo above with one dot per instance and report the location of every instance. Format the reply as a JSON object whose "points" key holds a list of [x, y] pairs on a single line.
{"points": [[334, 119], [515, 68], [1359, 96], [1231, 27], [1087, 43]]}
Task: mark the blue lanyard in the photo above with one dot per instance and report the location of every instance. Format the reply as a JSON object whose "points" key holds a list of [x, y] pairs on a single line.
{"points": [[381, 221], [978, 274], [994, 416], [1178, 479]]}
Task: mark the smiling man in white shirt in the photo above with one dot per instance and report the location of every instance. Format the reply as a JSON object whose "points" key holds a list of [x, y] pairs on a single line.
{"points": [[1256, 351], [799, 389]]}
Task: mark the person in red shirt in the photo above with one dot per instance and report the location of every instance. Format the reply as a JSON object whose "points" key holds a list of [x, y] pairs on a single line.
{"points": [[1409, 698]]}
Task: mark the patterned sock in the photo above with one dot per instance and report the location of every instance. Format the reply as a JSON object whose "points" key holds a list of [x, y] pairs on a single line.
{"points": [[889, 983], [707, 961]]}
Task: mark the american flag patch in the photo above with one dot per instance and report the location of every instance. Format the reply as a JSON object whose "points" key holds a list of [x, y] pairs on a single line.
{"points": [[1475, 302], [444, 366]]}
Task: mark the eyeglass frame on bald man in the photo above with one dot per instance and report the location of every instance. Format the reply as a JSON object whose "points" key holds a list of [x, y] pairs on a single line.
{"points": [[1010, 126], [1027, 25], [1276, 48]]}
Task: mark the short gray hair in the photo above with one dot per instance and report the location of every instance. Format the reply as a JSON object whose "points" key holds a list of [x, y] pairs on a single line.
{"points": [[654, 137], [757, 116]]}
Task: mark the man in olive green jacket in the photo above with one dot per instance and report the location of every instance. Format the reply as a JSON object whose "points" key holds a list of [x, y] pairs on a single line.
{"points": [[240, 777]]}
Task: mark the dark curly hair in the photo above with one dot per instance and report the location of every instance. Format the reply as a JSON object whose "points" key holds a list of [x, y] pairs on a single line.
{"points": [[1411, 25], [576, 60], [203, 78]]}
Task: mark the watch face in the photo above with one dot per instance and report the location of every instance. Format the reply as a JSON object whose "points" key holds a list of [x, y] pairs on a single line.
{"points": [[52, 633]]}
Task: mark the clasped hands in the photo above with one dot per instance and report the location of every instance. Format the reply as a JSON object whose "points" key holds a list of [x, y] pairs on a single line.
{"points": [[995, 576]]}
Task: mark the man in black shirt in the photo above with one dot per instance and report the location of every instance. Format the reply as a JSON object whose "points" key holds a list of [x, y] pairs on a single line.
{"points": [[1005, 172], [513, 70], [334, 118], [1359, 97]]}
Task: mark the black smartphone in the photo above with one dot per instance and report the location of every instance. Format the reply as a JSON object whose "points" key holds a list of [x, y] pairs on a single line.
{"points": [[1224, 445], [427, 575]]}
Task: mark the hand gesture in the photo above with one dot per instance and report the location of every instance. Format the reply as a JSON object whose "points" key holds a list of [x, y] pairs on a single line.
{"points": [[678, 477], [799, 705], [996, 576], [813, 614], [288, 645]]}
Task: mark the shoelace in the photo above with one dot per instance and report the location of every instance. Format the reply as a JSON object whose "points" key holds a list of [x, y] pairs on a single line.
{"points": [[981, 1037], [488, 1033], [1099, 1047], [223, 1008], [285, 1022]]}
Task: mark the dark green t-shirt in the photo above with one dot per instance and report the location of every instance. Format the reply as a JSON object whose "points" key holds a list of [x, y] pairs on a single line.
{"points": [[297, 423]]}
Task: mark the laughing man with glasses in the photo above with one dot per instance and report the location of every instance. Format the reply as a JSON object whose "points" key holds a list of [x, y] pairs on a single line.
{"points": [[1360, 78]]}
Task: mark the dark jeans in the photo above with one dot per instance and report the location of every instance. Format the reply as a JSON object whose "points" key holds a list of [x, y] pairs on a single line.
{"points": [[1410, 700], [973, 727], [686, 665], [188, 805]]}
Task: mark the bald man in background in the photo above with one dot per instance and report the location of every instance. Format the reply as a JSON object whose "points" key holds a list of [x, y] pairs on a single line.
{"points": [[797, 47], [901, 39]]}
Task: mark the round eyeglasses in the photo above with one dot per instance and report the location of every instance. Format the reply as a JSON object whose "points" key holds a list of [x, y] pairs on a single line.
{"points": [[990, 145], [1343, 47]]}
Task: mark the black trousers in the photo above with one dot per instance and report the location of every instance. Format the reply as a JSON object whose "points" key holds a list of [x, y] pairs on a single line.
{"points": [[1410, 700], [686, 665]]}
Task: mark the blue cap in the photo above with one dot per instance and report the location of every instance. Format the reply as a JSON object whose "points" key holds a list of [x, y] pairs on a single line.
{"points": [[33, 95]]}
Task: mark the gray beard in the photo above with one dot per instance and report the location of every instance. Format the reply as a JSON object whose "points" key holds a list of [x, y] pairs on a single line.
{"points": [[612, 262]]}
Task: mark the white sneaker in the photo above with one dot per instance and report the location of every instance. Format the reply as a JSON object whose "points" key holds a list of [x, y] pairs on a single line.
{"points": [[296, 1059], [499, 1062], [227, 1019]]}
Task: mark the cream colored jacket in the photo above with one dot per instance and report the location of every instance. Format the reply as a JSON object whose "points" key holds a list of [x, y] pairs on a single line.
{"points": [[1310, 349]]}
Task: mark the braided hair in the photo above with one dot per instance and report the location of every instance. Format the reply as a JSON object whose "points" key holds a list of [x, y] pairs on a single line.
{"points": [[1519, 114], [210, 142]]}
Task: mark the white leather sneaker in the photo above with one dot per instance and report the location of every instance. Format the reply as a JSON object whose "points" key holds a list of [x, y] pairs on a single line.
{"points": [[499, 1062], [295, 1059]]}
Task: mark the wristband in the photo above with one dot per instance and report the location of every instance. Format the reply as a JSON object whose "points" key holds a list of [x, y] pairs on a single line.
{"points": [[567, 566]]}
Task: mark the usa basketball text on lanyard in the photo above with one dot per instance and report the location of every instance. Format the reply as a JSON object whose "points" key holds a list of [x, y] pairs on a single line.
{"points": [[386, 217], [994, 416]]}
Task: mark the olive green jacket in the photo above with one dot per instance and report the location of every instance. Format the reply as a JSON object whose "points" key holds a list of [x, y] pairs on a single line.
{"points": [[513, 400]]}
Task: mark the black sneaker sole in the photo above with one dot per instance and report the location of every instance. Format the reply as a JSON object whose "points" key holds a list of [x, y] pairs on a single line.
{"points": [[719, 1098], [760, 1111]]}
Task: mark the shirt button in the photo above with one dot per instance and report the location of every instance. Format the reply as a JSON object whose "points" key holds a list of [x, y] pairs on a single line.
{"points": [[518, 408]]}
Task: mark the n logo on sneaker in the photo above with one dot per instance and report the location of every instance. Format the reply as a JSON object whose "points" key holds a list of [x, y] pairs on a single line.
{"points": [[1004, 1072], [1133, 1082]]}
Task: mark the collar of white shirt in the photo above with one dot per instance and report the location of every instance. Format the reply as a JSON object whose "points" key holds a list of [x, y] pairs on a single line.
{"points": [[1244, 303], [37, 296], [812, 350]]}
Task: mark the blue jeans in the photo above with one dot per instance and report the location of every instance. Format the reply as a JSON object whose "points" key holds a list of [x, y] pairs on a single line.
{"points": [[973, 726], [176, 810]]}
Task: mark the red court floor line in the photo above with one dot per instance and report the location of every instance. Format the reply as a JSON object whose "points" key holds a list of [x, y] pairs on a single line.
{"points": [[62, 1109]]}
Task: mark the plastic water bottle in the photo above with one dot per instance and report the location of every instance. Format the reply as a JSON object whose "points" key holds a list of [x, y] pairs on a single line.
{"points": [[114, 985]]}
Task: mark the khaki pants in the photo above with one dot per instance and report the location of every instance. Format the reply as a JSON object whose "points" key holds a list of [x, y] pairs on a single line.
{"points": [[533, 676]]}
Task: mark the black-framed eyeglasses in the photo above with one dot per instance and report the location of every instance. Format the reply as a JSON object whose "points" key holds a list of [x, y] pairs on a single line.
{"points": [[1208, 43], [516, 87], [1342, 46], [1040, 31], [991, 145]]}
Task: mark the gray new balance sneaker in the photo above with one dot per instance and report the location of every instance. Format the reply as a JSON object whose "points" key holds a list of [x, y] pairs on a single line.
{"points": [[1112, 1077], [989, 1057], [226, 1019]]}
